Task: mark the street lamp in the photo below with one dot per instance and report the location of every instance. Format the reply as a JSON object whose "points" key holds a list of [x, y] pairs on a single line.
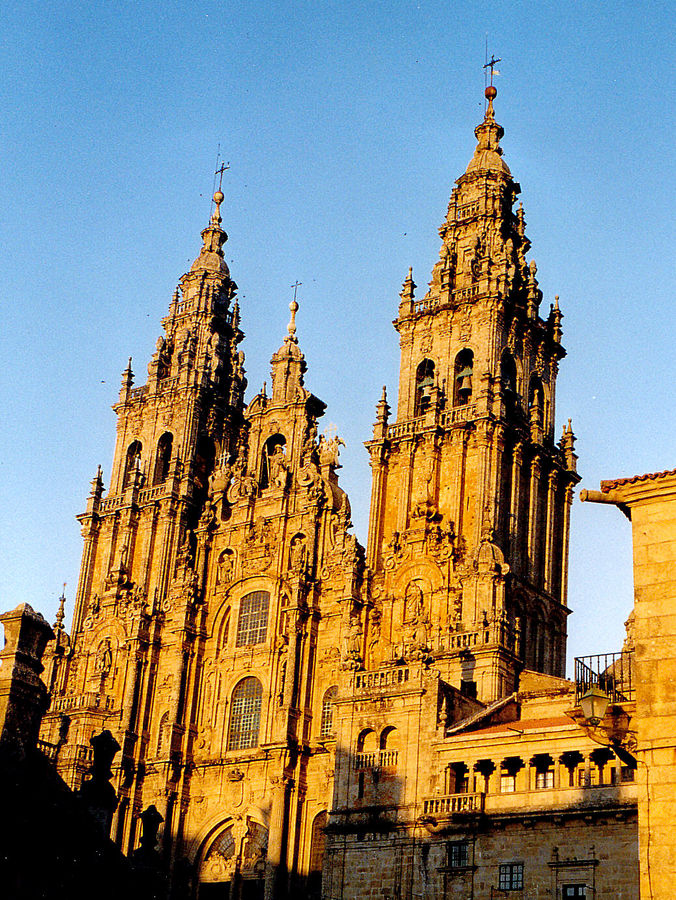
{"points": [[594, 705]]}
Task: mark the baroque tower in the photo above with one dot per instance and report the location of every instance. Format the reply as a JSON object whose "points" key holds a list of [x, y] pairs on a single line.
{"points": [[468, 531], [218, 582]]}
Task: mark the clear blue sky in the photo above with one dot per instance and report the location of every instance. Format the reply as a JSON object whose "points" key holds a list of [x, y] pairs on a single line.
{"points": [[345, 124]]}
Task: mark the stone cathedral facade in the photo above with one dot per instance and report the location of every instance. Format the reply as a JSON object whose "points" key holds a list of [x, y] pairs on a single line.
{"points": [[298, 708]]}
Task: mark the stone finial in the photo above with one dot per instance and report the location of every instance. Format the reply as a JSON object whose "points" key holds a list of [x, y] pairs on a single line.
{"points": [[61, 612], [567, 444], [210, 259], [408, 288], [23, 695], [556, 316], [291, 327], [127, 383]]}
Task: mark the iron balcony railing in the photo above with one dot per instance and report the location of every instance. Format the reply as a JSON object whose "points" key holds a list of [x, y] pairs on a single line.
{"points": [[612, 672]]}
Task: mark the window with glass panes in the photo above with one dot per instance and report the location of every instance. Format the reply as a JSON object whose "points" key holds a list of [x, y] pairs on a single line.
{"points": [[457, 854], [245, 714], [573, 891], [326, 728], [511, 877], [252, 626]]}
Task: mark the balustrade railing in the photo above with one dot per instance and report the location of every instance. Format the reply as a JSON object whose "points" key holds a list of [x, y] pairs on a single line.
{"points": [[88, 700], [382, 680], [376, 759], [451, 804]]}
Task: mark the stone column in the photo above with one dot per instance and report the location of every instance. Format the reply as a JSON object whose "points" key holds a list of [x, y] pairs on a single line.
{"points": [[552, 479], [533, 518], [273, 864], [459, 444], [483, 439], [514, 503], [378, 466], [565, 542], [408, 456], [90, 533]]}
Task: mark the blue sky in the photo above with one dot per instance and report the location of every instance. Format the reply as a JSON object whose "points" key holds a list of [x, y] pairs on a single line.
{"points": [[346, 125]]}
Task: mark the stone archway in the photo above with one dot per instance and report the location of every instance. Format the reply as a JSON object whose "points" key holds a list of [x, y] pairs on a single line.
{"points": [[233, 864]]}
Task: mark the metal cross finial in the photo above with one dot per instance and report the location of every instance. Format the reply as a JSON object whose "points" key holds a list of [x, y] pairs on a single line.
{"points": [[295, 287], [224, 167], [491, 64]]}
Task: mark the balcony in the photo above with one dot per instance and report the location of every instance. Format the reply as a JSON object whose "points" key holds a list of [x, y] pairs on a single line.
{"points": [[453, 804], [611, 672], [376, 759]]}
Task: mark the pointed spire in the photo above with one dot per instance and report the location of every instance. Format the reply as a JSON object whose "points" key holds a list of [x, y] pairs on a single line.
{"points": [[127, 382], [488, 153], [213, 237]]}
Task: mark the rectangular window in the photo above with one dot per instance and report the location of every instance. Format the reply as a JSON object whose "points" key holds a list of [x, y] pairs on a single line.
{"points": [[573, 891], [544, 779], [507, 783], [252, 626], [511, 877], [457, 854], [626, 774]]}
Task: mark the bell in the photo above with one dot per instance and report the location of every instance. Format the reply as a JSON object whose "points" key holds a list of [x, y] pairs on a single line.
{"points": [[465, 382]]}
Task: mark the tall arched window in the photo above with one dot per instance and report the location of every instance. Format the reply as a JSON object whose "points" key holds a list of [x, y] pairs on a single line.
{"points": [[462, 380], [133, 454], [424, 382], [252, 626], [327, 728], [508, 373], [163, 458], [163, 735], [245, 714]]}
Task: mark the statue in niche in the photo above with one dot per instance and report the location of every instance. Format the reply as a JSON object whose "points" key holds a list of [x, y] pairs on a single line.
{"points": [[224, 567], [297, 554], [354, 642], [413, 603], [104, 659], [277, 467]]}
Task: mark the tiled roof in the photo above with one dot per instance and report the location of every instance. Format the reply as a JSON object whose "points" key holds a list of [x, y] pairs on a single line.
{"points": [[618, 482]]}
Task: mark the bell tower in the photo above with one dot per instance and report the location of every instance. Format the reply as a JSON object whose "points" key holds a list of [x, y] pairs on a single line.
{"points": [[470, 503]]}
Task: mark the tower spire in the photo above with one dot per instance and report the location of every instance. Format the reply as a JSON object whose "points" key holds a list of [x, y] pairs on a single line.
{"points": [[211, 258]]}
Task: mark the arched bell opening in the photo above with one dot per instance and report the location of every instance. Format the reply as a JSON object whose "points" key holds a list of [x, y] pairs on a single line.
{"points": [[424, 382], [132, 461], [163, 458], [463, 373]]}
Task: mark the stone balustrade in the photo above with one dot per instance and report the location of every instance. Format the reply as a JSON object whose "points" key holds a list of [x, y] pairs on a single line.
{"points": [[451, 804], [376, 759]]}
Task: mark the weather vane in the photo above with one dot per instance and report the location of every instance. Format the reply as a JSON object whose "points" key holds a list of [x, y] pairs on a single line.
{"points": [[491, 64]]}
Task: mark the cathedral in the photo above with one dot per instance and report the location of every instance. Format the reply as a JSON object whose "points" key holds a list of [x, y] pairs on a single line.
{"points": [[311, 717]]}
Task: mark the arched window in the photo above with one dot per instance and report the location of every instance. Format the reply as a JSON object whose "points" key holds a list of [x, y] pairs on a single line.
{"points": [[163, 735], [132, 460], [245, 714], [273, 461], [424, 382], [163, 458], [508, 374], [252, 626], [462, 377], [326, 729]]}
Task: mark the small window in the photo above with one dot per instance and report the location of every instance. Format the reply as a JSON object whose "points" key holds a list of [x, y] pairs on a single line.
{"points": [[511, 877], [507, 783], [457, 854], [544, 779], [245, 714], [327, 729], [252, 627], [573, 891]]}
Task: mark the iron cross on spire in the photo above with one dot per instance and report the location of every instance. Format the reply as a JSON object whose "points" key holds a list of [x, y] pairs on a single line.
{"points": [[224, 167], [295, 287], [491, 64]]}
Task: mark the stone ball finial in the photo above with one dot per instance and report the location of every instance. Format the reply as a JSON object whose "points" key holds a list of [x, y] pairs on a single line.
{"points": [[219, 197], [491, 92]]}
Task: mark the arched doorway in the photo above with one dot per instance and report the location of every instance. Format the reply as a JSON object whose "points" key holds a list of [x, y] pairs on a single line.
{"points": [[233, 864]]}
